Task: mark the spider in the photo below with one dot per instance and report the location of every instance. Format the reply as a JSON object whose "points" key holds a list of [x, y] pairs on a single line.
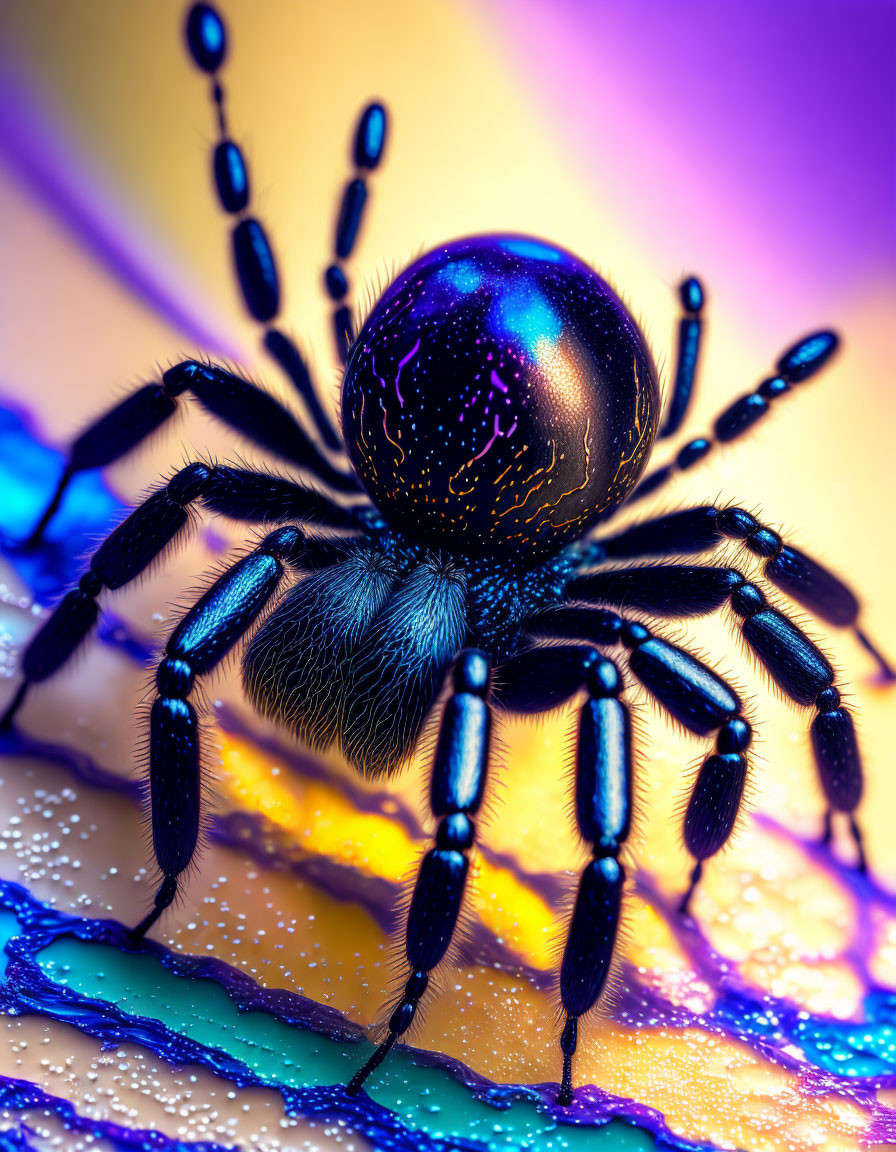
{"points": [[498, 403]]}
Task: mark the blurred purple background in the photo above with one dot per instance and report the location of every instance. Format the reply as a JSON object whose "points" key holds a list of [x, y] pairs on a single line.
{"points": [[781, 116]]}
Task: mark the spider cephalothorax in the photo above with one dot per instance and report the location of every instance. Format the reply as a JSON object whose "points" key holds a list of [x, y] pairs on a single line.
{"points": [[497, 403]]}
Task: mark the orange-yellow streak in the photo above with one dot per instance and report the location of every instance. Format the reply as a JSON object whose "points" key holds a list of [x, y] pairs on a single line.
{"points": [[578, 487], [319, 819], [388, 437]]}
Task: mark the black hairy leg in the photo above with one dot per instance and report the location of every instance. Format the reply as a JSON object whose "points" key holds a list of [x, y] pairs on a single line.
{"points": [[246, 409], [794, 662], [205, 635], [701, 529], [801, 361], [456, 792], [146, 533]]}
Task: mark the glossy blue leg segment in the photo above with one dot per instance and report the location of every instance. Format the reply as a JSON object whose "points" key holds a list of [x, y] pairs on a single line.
{"points": [[369, 145], [255, 265], [146, 533], [803, 579], [689, 331], [700, 700], [538, 680], [456, 791], [793, 661], [692, 693], [798, 363], [603, 805], [203, 638], [251, 413]]}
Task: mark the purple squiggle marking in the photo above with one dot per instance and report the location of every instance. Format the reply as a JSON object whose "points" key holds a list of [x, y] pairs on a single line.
{"points": [[401, 363], [495, 436]]}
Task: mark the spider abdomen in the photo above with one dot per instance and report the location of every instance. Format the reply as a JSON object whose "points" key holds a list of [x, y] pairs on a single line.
{"points": [[499, 399]]}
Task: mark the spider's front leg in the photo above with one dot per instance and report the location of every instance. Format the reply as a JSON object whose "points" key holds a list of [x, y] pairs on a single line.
{"points": [[200, 642], [794, 662], [701, 529], [458, 784], [693, 695], [603, 814], [145, 535], [247, 410], [541, 678]]}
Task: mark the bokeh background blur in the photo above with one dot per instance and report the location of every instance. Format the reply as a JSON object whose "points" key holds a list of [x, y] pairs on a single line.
{"points": [[753, 144]]}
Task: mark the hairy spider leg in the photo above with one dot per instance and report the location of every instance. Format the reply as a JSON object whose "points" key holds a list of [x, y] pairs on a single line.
{"points": [[249, 411], [690, 691], [690, 327], [603, 805], [798, 363], [370, 141], [695, 530], [603, 802], [793, 661], [456, 791], [241, 494], [221, 617], [702, 702], [256, 267]]}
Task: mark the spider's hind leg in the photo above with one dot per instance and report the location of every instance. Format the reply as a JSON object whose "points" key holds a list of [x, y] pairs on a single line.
{"points": [[252, 252], [239, 404], [701, 529], [370, 141], [253, 256], [690, 293], [797, 364]]}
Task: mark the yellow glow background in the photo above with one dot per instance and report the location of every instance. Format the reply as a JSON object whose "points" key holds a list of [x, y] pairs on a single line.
{"points": [[471, 150]]}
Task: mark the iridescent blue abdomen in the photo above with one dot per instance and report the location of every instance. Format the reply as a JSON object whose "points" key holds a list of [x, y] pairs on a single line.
{"points": [[499, 399]]}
